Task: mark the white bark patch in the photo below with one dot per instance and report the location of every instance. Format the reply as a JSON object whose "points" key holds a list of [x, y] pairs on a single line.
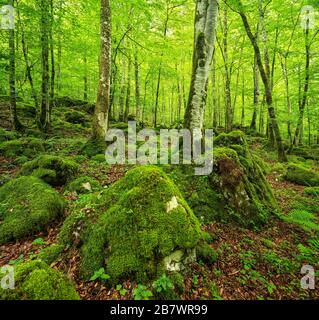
{"points": [[173, 204]]}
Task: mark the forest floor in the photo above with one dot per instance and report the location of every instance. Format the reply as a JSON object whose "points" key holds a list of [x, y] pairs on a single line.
{"points": [[250, 265]]}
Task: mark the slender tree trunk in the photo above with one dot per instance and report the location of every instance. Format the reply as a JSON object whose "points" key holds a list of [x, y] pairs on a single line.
{"points": [[100, 122], [128, 91], [285, 75], [123, 89], [44, 118], [268, 92], [253, 124], [303, 103], [137, 87], [243, 101], [204, 42], [85, 78], [27, 63], [12, 80]]}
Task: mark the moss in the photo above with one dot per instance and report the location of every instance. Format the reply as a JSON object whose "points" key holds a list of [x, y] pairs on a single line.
{"points": [[94, 147], [27, 206], [84, 185], [75, 117], [7, 135], [206, 253], [21, 160], [133, 225], [302, 176], [35, 280], [65, 146], [64, 169], [311, 153], [23, 147], [51, 253], [178, 281], [238, 176], [100, 158], [233, 138], [312, 191]]}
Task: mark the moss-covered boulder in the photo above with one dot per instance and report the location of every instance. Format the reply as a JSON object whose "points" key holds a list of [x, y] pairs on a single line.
{"points": [[54, 170], [84, 185], [133, 226], [35, 280], [306, 152], [7, 135], [247, 197], [28, 147], [94, 147], [302, 176], [27, 205], [75, 117]]}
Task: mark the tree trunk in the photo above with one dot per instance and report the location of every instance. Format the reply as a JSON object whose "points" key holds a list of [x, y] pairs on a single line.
{"points": [[100, 122], [137, 87], [204, 41], [298, 132], [128, 91], [268, 92], [44, 119], [12, 80]]}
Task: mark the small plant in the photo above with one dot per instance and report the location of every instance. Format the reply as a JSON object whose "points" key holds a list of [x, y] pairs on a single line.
{"points": [[163, 284], [142, 293], [17, 261], [215, 292], [121, 290], [100, 275], [39, 242]]}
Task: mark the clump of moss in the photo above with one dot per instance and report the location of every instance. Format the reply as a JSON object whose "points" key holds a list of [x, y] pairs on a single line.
{"points": [[94, 147], [311, 153], [206, 253], [302, 176], [35, 280], [133, 226], [84, 185], [238, 176], [312, 191], [75, 117], [27, 206], [7, 135], [23, 147], [51, 253], [100, 158], [53, 169]]}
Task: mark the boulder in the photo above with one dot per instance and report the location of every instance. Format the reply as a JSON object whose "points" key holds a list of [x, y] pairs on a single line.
{"points": [[27, 205]]}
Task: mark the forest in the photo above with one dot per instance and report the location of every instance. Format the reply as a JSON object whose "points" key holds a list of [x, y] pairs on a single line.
{"points": [[77, 75]]}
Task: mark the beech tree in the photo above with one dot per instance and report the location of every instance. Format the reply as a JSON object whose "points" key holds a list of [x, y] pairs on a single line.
{"points": [[204, 44], [100, 122]]}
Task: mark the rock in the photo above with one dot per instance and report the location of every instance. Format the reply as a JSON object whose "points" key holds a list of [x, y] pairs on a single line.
{"points": [[27, 206], [54, 170], [35, 280], [133, 226], [302, 176]]}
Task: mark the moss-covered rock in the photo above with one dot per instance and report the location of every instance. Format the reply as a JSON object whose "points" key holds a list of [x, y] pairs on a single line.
{"points": [[28, 147], [94, 147], [75, 117], [7, 135], [35, 280], [51, 253], [306, 152], [133, 226], [238, 176], [27, 205], [302, 176], [54, 170], [312, 191], [84, 185]]}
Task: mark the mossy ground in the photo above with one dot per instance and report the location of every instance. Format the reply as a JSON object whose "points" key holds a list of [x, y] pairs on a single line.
{"points": [[233, 262]]}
